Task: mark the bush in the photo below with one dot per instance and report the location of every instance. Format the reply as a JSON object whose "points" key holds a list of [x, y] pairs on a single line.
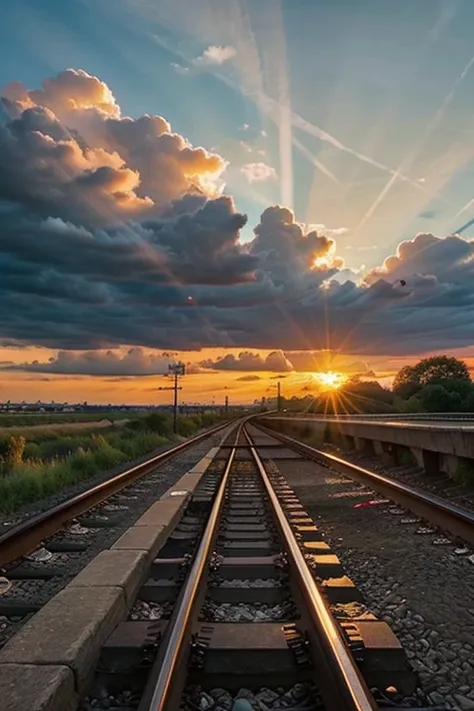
{"points": [[32, 451], [82, 463], [49, 460], [108, 457], [186, 427], [159, 423]]}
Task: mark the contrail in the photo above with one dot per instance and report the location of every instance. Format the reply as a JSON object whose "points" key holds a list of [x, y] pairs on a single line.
{"points": [[467, 206], [270, 107], [272, 110], [408, 160], [278, 53], [312, 159], [464, 227]]}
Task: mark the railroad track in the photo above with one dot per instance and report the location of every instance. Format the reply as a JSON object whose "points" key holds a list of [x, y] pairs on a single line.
{"points": [[223, 596], [445, 515], [23, 538], [246, 608], [40, 554]]}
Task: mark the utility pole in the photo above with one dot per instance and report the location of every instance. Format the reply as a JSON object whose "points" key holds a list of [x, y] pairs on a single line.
{"points": [[176, 369], [278, 396], [226, 405]]}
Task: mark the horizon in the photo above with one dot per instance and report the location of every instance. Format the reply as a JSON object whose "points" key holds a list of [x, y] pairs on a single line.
{"points": [[270, 193]]}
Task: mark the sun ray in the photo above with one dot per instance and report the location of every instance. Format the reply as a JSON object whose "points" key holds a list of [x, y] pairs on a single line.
{"points": [[330, 380]]}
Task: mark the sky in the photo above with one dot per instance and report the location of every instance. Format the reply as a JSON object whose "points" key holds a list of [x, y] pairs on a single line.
{"points": [[263, 189]]}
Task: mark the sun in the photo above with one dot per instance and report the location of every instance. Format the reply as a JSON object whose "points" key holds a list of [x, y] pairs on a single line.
{"points": [[330, 379]]}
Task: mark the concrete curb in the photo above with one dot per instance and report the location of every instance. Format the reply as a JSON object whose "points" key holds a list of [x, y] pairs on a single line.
{"points": [[49, 663]]}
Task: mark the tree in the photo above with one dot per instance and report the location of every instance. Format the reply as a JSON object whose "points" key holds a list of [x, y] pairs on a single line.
{"points": [[355, 397], [429, 371], [405, 383], [436, 398]]}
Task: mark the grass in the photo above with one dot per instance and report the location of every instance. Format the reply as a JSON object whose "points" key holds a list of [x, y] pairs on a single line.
{"points": [[52, 418], [36, 465]]}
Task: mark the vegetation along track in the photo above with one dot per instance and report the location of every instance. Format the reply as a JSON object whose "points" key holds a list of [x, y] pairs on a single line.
{"points": [[22, 539], [42, 554], [449, 517], [246, 607]]}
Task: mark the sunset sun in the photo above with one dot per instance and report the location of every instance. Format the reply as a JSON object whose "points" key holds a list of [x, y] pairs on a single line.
{"points": [[330, 380]]}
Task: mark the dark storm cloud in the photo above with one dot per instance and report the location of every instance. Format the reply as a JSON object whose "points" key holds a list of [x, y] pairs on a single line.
{"points": [[191, 249], [114, 232], [133, 362], [248, 361]]}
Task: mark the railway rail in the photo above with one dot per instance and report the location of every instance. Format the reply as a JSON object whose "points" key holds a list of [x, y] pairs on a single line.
{"points": [[23, 538], [388, 416], [451, 518]]}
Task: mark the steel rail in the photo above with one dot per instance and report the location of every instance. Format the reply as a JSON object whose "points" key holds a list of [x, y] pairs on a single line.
{"points": [[347, 689], [157, 692], [395, 423], [379, 416], [27, 535], [450, 517]]}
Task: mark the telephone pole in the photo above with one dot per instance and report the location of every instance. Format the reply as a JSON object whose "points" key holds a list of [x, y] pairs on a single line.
{"points": [[278, 396], [176, 370]]}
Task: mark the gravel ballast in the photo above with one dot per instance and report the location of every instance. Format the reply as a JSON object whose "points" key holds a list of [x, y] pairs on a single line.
{"points": [[411, 576]]}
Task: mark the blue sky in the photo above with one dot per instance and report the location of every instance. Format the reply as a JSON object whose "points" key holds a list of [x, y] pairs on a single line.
{"points": [[355, 114], [374, 74]]}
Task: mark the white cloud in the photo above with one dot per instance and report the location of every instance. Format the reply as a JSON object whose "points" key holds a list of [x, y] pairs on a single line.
{"points": [[179, 69], [330, 231], [215, 56], [258, 172]]}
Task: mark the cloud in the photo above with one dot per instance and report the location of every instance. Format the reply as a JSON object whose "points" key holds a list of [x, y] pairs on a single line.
{"points": [[275, 361], [258, 172], [248, 378], [115, 232], [331, 231], [179, 69], [133, 362], [215, 56], [67, 150]]}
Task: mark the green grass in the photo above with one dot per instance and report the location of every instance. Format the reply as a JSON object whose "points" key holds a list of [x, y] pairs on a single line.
{"points": [[34, 479], [52, 418], [36, 465]]}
